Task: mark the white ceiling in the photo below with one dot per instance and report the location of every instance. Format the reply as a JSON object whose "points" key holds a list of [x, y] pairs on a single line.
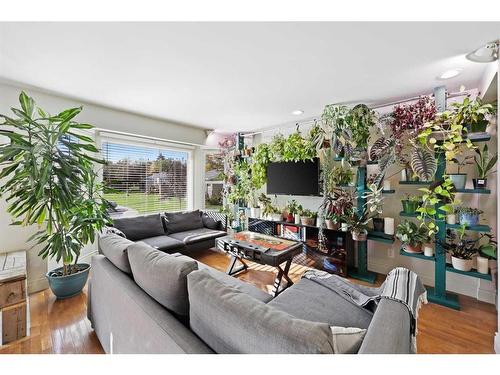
{"points": [[239, 76]]}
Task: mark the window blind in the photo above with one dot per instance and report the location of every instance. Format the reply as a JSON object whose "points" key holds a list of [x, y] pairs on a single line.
{"points": [[145, 179]]}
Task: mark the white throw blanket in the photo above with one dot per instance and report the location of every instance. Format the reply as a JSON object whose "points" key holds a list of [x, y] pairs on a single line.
{"points": [[401, 285]]}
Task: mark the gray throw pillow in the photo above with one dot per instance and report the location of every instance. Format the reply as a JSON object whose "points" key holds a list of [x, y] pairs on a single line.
{"points": [[183, 221], [162, 276], [210, 223], [114, 247], [347, 340], [230, 321], [140, 227]]}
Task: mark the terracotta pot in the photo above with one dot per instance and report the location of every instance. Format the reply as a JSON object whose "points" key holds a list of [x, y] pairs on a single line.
{"points": [[415, 249], [290, 218], [330, 224], [461, 264]]}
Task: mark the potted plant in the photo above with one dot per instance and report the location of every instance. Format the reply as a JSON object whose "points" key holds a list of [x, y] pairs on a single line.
{"points": [[467, 215], [358, 223], [411, 204], [332, 221], [292, 208], [483, 165], [335, 132], [461, 249], [472, 114], [460, 179], [50, 181], [308, 217], [412, 236], [339, 205], [486, 251], [361, 120], [254, 205]]}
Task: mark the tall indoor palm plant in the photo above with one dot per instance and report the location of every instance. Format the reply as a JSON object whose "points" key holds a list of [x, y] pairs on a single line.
{"points": [[49, 179]]}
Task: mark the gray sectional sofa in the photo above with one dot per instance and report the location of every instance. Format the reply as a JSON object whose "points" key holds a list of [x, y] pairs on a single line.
{"points": [[184, 232], [143, 300]]}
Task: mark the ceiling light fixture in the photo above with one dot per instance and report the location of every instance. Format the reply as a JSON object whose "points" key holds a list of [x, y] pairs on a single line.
{"points": [[297, 112], [485, 54], [450, 74]]}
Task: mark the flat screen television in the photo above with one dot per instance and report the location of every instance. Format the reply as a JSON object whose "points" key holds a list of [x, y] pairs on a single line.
{"points": [[294, 178]]}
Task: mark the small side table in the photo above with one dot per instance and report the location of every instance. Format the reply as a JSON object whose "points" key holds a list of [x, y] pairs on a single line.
{"points": [[14, 303]]}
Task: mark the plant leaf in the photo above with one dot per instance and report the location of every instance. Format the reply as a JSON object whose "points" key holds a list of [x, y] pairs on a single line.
{"points": [[423, 163]]}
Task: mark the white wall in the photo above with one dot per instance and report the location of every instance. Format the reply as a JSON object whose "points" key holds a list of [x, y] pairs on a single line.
{"points": [[15, 237], [378, 253]]}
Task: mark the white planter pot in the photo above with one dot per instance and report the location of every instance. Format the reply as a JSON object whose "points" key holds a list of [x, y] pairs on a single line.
{"points": [[482, 265], [428, 250], [276, 217], [255, 212], [403, 175], [387, 185], [297, 218], [451, 219], [461, 264], [389, 226]]}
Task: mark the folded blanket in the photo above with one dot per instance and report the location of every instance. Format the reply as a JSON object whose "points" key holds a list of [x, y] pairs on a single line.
{"points": [[401, 285]]}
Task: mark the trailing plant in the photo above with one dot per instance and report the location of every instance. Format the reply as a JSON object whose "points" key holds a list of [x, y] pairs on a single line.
{"points": [[483, 161], [489, 249], [361, 119], [228, 211], [277, 147], [358, 222], [444, 134], [340, 175], [261, 159], [472, 112], [243, 189], [409, 233], [296, 148], [441, 194], [50, 180]]}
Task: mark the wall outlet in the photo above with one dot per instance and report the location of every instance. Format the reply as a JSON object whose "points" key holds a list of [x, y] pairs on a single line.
{"points": [[390, 252]]}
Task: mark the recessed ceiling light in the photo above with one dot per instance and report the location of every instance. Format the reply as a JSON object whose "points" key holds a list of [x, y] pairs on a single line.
{"points": [[297, 112], [450, 73]]}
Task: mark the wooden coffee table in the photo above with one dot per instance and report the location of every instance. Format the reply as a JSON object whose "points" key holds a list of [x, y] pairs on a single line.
{"points": [[262, 249]]}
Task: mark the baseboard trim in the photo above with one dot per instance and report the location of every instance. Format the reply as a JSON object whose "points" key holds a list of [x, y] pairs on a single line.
{"points": [[37, 285], [497, 343]]}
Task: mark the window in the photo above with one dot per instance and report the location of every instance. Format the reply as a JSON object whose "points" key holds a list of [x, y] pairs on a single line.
{"points": [[214, 180], [141, 179]]}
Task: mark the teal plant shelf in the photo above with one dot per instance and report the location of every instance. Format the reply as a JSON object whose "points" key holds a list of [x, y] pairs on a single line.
{"points": [[391, 191], [446, 299], [370, 162], [479, 137], [475, 228], [415, 182], [380, 237], [416, 255], [402, 213], [474, 191], [471, 273]]}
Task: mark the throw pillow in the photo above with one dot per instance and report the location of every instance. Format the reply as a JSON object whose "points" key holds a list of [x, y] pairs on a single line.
{"points": [[347, 340], [162, 276]]}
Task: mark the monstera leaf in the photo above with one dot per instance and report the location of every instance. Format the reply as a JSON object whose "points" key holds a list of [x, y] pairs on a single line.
{"points": [[423, 163], [380, 148]]}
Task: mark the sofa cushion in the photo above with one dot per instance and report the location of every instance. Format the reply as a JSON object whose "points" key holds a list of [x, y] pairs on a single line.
{"points": [[236, 283], [182, 221], [114, 247], [197, 235], [164, 243], [162, 276], [230, 321], [209, 222], [138, 227], [310, 300], [347, 340]]}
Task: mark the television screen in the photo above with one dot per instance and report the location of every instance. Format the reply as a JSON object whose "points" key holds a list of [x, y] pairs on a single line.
{"points": [[293, 178]]}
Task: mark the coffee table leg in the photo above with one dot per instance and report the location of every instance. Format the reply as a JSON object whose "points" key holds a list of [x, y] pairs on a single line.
{"points": [[279, 277], [231, 270]]}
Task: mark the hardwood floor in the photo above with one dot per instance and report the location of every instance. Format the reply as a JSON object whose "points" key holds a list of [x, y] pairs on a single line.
{"points": [[62, 326]]}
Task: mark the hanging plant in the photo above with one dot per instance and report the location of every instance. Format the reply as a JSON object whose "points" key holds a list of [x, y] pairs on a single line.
{"points": [[361, 119], [297, 148], [261, 159], [473, 114], [423, 163], [277, 147], [335, 130]]}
